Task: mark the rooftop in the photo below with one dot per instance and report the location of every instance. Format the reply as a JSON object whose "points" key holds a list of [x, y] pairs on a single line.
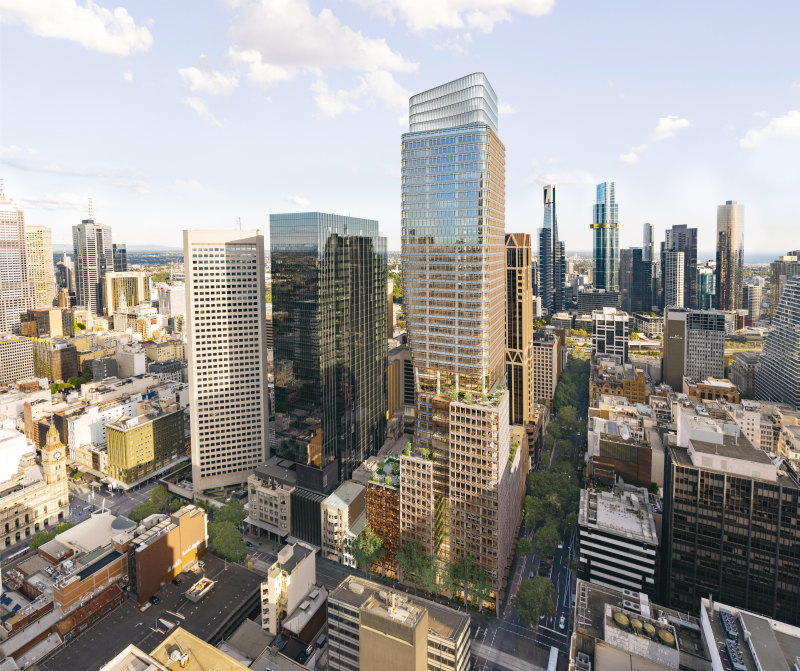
{"points": [[625, 511], [344, 495], [182, 650]]}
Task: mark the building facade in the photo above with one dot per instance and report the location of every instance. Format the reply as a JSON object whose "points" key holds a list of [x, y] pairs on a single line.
{"points": [[16, 358], [706, 287], [17, 292], [635, 281], [694, 345], [330, 343], [778, 375], [674, 279], [605, 236], [782, 269], [681, 239], [610, 331], [730, 255], [93, 259], [39, 253], [123, 284], [552, 265], [519, 327], [227, 355], [546, 365]]}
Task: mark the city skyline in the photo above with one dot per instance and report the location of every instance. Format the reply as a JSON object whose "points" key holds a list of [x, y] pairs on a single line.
{"points": [[673, 150]]}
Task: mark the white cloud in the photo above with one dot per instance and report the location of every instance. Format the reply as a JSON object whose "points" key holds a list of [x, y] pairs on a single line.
{"points": [[56, 201], [796, 85], [562, 178], [667, 125], [334, 103], [202, 111], [787, 126], [504, 108], [204, 79], [455, 14], [379, 85], [93, 27], [287, 34], [128, 76], [761, 114], [298, 200], [259, 72], [30, 160]]}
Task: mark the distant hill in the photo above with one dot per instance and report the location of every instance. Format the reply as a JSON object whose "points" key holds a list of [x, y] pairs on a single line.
{"points": [[152, 248]]}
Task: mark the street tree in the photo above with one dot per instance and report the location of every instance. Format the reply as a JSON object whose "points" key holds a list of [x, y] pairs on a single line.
{"points": [[225, 541], [523, 547], [533, 598], [367, 548]]}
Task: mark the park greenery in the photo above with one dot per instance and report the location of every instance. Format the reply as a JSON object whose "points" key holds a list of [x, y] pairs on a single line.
{"points": [[73, 382], [534, 597], [46, 536], [367, 548], [160, 502]]}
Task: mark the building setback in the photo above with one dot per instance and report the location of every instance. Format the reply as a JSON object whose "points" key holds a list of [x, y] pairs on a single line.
{"points": [[227, 355]]}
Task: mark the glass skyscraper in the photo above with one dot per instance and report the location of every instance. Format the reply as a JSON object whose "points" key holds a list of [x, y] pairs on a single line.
{"points": [[706, 287], [454, 299], [329, 317], [730, 255], [680, 239], [552, 265], [605, 231]]}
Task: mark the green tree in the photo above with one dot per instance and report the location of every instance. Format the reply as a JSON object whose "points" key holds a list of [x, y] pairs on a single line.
{"points": [[232, 512], [416, 565], [225, 541], [367, 548], [547, 538], [523, 546], [159, 502], [46, 536], [533, 598]]}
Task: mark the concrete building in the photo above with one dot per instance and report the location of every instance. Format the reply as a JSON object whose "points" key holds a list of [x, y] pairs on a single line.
{"points": [[730, 255], [176, 370], [269, 506], [145, 444], [32, 497], [546, 365], [650, 324], [617, 540], [131, 361], [227, 355], [519, 326], [694, 345], [751, 301], [39, 255], [718, 543], [780, 271], [55, 358], [343, 518], [16, 358], [165, 350], [47, 323], [710, 389], [610, 331], [289, 581], [674, 281], [590, 299], [116, 285], [371, 627], [17, 291], [562, 321], [608, 377], [93, 259], [619, 446], [172, 299], [743, 372]]}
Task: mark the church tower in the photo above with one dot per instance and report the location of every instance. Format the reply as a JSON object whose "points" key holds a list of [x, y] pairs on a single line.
{"points": [[54, 459]]}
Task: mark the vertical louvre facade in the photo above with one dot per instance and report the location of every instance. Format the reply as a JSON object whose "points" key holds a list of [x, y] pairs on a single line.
{"points": [[329, 312], [519, 327], [227, 355], [605, 236]]}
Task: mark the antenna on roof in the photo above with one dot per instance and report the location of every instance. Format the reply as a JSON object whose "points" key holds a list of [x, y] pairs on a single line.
{"points": [[239, 222], [91, 208]]}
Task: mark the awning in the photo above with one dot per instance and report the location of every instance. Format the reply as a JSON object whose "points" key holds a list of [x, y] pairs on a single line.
{"points": [[265, 526]]}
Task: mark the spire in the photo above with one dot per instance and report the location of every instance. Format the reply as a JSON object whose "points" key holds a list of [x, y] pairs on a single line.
{"points": [[53, 438]]}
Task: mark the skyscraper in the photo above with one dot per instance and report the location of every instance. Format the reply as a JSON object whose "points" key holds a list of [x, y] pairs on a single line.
{"points": [[17, 293], [227, 355], [635, 281], [694, 345], [39, 253], [120, 255], [780, 270], [681, 238], [778, 375], [453, 218], [519, 327], [330, 343], [610, 331], [93, 259], [730, 255], [751, 301], [648, 240], [674, 283], [605, 230], [706, 287], [552, 265]]}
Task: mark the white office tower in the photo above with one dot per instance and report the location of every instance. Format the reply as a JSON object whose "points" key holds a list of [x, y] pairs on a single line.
{"points": [[39, 253], [610, 331], [227, 353], [94, 258], [16, 291], [673, 279]]}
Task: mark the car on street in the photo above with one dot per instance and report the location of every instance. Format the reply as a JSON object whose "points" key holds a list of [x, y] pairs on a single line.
{"points": [[155, 600], [176, 581], [532, 575], [250, 545], [561, 545], [561, 622]]}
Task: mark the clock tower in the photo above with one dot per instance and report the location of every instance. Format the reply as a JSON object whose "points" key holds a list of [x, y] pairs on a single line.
{"points": [[54, 459]]}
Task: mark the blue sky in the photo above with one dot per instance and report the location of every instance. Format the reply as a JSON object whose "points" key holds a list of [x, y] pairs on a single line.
{"points": [[189, 114]]}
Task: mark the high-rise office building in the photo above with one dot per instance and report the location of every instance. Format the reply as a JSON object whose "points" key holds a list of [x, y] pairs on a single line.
{"points": [[227, 354], [706, 287], [93, 259], [17, 292], [781, 270], [673, 264], [751, 301], [552, 265], [39, 253], [330, 343], [519, 327], [694, 345], [454, 276], [731, 523], [635, 281], [120, 255], [648, 240], [778, 375], [546, 364], [129, 285], [605, 233], [610, 331], [681, 238], [730, 255]]}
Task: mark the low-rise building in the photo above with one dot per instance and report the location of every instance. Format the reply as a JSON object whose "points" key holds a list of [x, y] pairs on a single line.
{"points": [[343, 518], [174, 370], [289, 581], [609, 377], [165, 350], [649, 324], [16, 358], [372, 627], [269, 504], [48, 323], [131, 361], [618, 544], [743, 372], [710, 389], [55, 358]]}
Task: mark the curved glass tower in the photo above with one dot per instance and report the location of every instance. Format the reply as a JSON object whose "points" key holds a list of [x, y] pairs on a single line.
{"points": [[605, 232]]}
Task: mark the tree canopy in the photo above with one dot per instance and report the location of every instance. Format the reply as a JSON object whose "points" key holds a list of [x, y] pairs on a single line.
{"points": [[225, 541], [367, 548], [533, 598], [46, 536]]}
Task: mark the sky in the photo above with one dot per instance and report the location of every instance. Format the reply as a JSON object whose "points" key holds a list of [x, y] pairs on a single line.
{"points": [[193, 114]]}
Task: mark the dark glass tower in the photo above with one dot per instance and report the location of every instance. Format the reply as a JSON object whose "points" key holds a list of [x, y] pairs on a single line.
{"points": [[605, 234], [120, 255], [552, 265], [730, 255], [330, 342], [635, 281]]}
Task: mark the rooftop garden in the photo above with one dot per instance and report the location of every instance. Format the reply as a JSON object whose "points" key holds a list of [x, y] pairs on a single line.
{"points": [[410, 451], [387, 472], [512, 454]]}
